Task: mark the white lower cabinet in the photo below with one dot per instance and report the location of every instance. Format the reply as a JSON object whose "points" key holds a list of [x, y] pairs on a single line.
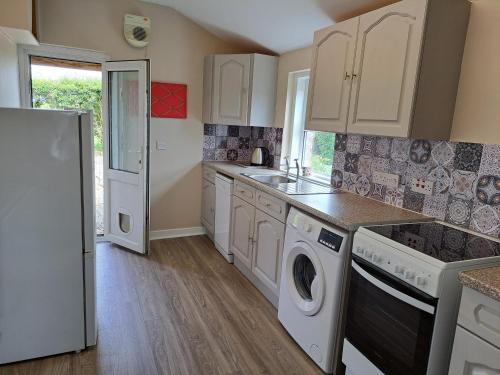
{"points": [[257, 244], [476, 349], [242, 227], [268, 250], [473, 356]]}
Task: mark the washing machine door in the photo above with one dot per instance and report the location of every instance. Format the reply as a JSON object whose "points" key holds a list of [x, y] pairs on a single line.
{"points": [[304, 278]]}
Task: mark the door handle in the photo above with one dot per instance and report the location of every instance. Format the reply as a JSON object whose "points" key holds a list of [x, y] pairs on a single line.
{"points": [[141, 154], [347, 76]]}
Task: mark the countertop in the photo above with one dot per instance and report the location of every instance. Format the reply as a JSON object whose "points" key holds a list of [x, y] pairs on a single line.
{"points": [[484, 280], [343, 209]]}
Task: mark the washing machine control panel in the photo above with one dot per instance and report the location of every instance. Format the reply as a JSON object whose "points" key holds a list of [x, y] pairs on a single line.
{"points": [[331, 240]]}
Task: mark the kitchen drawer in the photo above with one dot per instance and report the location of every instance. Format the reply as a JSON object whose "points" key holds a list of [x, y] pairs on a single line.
{"points": [[480, 314], [271, 205], [245, 192], [209, 174]]}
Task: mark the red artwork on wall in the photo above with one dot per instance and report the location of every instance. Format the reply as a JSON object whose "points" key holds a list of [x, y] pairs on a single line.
{"points": [[168, 100]]}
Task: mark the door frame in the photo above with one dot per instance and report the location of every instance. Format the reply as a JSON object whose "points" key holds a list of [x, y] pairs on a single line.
{"points": [[51, 51], [24, 53]]}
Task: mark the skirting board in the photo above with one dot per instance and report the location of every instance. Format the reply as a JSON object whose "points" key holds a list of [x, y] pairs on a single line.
{"points": [[177, 232]]}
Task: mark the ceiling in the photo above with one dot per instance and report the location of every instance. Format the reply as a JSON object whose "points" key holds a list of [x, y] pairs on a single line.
{"points": [[275, 26]]}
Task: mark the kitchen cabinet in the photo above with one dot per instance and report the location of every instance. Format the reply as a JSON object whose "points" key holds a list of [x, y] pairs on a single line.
{"points": [[402, 77], [242, 224], [208, 201], [473, 356], [257, 237], [268, 239], [476, 349], [330, 77], [240, 89]]}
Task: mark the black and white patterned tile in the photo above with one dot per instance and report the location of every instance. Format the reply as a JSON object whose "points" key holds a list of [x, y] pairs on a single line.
{"points": [[488, 190], [490, 160], [458, 211], [221, 130], [351, 163], [363, 185], [340, 142], [463, 184], [236, 143], [468, 156], [383, 147], [368, 145], [420, 151], [435, 205], [336, 179], [365, 164], [400, 149], [353, 144], [378, 192], [485, 219], [466, 176], [443, 153], [412, 200]]}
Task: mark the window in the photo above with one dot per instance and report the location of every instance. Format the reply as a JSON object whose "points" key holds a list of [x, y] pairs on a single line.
{"points": [[313, 149]]}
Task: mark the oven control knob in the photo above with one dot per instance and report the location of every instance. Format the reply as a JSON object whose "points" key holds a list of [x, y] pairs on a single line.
{"points": [[399, 269], [409, 275], [421, 280], [377, 258]]}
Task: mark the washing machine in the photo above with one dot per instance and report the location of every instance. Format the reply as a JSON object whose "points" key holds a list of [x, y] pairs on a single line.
{"points": [[312, 282]]}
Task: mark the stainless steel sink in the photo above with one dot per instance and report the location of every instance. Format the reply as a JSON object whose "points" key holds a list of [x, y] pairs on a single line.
{"points": [[291, 186], [270, 179]]}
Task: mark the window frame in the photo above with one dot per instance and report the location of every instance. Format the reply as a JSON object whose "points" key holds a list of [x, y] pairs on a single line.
{"points": [[288, 133], [24, 53]]}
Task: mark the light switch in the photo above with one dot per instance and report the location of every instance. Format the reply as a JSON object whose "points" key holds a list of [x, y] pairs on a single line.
{"points": [[161, 146]]}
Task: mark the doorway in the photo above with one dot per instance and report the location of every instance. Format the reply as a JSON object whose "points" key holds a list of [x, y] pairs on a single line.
{"points": [[54, 77], [66, 84]]}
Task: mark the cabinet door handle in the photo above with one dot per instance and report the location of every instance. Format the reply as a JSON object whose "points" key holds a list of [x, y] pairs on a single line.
{"points": [[347, 76], [354, 76]]}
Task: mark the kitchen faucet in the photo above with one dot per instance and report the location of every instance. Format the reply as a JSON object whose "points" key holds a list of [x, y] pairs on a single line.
{"points": [[287, 163], [298, 168]]}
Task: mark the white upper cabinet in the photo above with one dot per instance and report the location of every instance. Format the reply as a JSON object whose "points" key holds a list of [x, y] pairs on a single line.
{"points": [[231, 84], [239, 89], [386, 69], [333, 60], [406, 66]]}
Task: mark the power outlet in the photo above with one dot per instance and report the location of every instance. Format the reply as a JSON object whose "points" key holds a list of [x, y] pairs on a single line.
{"points": [[422, 186], [387, 179]]}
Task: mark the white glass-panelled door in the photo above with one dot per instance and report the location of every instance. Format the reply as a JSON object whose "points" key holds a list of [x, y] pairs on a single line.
{"points": [[126, 87]]}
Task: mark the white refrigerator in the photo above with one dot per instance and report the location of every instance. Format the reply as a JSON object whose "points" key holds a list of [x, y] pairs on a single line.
{"points": [[47, 235]]}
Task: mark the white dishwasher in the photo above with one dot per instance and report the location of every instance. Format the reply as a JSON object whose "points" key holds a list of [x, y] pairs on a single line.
{"points": [[223, 198]]}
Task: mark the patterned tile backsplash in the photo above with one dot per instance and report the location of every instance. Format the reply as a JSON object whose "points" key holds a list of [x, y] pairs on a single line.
{"points": [[466, 177], [236, 143]]}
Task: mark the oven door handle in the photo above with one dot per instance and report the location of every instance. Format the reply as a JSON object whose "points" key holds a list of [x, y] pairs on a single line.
{"points": [[393, 292]]}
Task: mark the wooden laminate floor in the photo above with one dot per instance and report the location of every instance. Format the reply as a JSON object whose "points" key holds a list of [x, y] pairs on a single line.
{"points": [[181, 310]]}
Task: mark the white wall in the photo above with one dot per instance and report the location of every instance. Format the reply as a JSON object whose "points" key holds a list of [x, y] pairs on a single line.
{"points": [[293, 61], [9, 75], [477, 109], [177, 49]]}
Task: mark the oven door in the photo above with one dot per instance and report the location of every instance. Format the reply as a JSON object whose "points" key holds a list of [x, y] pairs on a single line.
{"points": [[389, 321]]}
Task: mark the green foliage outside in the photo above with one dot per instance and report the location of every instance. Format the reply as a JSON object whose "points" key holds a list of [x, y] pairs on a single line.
{"points": [[322, 152], [71, 93]]}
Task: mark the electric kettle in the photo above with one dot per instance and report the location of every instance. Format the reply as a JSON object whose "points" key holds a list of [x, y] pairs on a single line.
{"points": [[260, 156]]}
